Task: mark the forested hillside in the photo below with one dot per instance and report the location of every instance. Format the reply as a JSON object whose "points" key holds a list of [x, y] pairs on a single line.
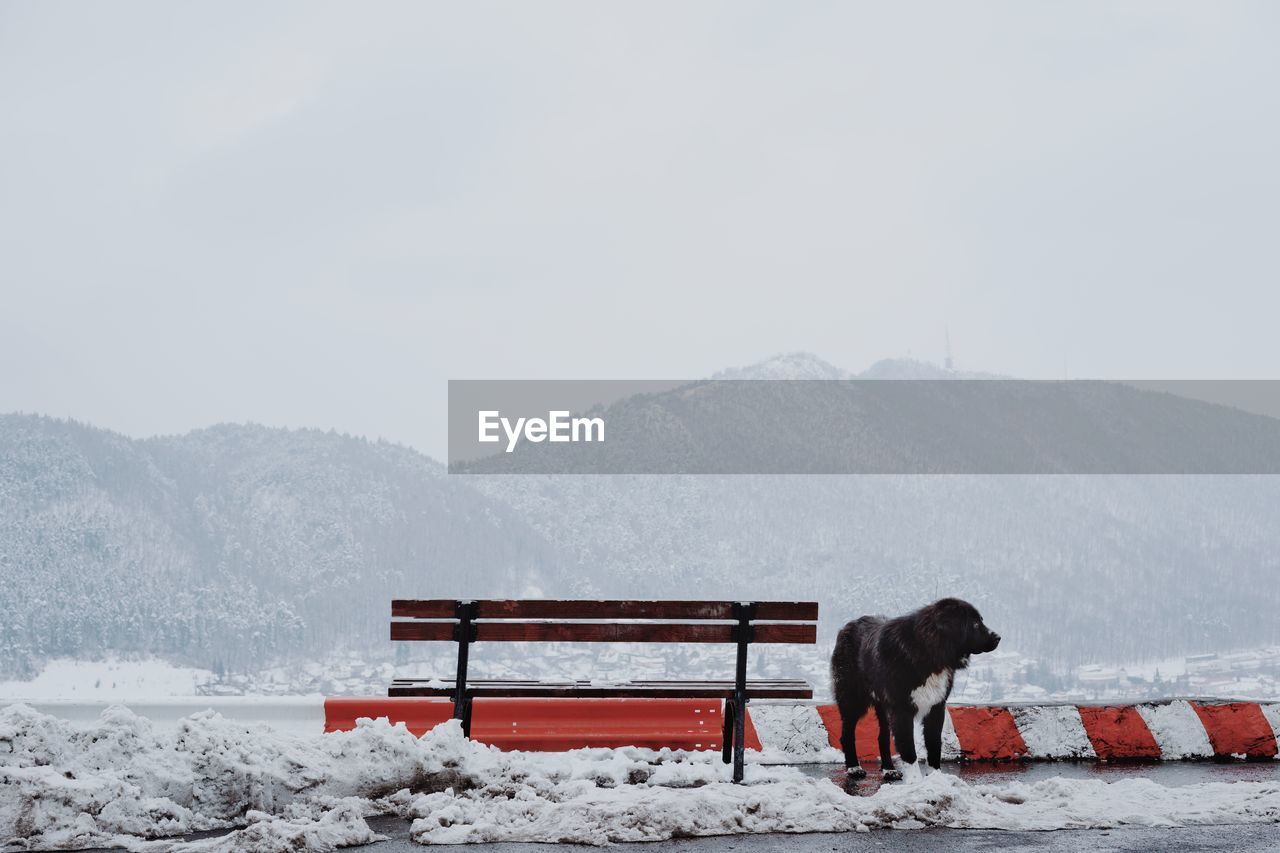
{"points": [[241, 546], [1072, 569], [235, 546]]}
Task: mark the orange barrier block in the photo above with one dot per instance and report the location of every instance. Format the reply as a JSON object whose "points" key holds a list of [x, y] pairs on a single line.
{"points": [[987, 733], [830, 716], [866, 732], [560, 724], [557, 724], [1118, 732], [1237, 728], [749, 735]]}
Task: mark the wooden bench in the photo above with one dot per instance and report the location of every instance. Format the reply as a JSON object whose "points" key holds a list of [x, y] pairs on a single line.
{"points": [[513, 621]]}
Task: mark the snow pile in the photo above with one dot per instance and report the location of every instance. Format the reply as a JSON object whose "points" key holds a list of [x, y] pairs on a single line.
{"points": [[554, 809], [121, 778], [340, 826], [560, 806], [121, 781], [792, 733]]}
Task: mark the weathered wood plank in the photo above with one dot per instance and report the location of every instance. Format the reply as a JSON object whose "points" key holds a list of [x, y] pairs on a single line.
{"points": [[793, 611], [785, 633], [553, 609], [422, 630], [436, 608], [802, 611], [587, 689], [602, 632]]}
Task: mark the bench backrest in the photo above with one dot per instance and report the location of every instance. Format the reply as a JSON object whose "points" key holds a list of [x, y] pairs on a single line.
{"points": [[539, 620]]}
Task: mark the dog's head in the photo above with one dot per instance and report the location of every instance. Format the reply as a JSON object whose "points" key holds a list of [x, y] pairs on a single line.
{"points": [[962, 624]]}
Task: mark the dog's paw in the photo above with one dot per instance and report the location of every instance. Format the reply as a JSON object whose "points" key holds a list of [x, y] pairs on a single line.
{"points": [[892, 775], [855, 772]]}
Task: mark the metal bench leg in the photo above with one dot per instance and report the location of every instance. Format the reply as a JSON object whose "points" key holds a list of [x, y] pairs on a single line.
{"points": [[462, 713], [739, 741], [744, 634], [466, 717], [727, 735], [465, 634]]}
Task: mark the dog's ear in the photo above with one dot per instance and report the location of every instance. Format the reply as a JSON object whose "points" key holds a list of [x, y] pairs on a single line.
{"points": [[951, 611], [961, 620]]}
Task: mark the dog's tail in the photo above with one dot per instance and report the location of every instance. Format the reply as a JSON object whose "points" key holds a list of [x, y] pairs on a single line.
{"points": [[847, 678], [844, 659]]}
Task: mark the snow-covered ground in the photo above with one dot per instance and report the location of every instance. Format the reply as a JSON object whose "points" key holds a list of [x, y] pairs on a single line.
{"points": [[79, 690], [109, 680], [1002, 676], [122, 780]]}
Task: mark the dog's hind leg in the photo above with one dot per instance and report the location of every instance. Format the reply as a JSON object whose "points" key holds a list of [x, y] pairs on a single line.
{"points": [[886, 754], [849, 716]]}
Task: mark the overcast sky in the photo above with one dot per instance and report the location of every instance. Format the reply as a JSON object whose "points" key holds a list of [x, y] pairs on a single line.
{"points": [[315, 215]]}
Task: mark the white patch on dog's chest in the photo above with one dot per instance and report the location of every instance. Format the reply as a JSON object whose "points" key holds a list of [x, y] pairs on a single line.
{"points": [[933, 691]]}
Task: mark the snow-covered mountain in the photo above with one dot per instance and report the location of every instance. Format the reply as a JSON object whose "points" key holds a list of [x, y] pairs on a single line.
{"points": [[804, 365], [241, 546], [793, 365], [1071, 569], [235, 546], [927, 425]]}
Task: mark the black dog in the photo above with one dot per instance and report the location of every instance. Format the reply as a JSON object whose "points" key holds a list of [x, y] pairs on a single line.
{"points": [[905, 668]]}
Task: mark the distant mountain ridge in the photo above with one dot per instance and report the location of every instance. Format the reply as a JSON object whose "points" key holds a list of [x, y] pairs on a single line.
{"points": [[924, 424], [805, 365], [792, 365], [243, 546]]}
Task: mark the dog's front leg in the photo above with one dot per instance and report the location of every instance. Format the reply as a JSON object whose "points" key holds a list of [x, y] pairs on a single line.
{"points": [[904, 738], [933, 734], [904, 734]]}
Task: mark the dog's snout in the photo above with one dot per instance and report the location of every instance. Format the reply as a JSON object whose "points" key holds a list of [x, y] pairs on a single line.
{"points": [[995, 639]]}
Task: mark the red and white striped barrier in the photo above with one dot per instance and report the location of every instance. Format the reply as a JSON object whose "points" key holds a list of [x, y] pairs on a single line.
{"points": [[782, 731], [789, 731], [1165, 729]]}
